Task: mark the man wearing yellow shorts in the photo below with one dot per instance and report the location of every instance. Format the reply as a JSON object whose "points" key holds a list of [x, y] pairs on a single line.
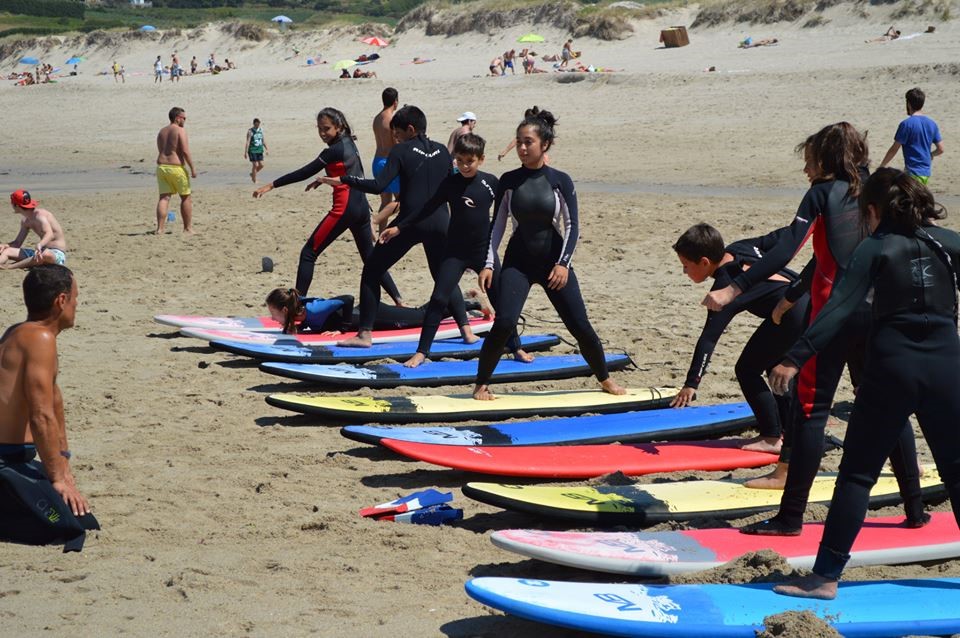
{"points": [[172, 159]]}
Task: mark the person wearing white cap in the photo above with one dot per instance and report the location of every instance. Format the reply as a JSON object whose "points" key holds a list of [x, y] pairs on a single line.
{"points": [[468, 120]]}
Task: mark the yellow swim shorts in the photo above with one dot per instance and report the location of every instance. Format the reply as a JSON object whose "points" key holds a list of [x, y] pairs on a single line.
{"points": [[173, 178]]}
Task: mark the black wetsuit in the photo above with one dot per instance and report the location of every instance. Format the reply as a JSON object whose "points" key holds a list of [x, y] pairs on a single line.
{"points": [[346, 318], [31, 511], [769, 342], [350, 211], [422, 165], [543, 205], [831, 214], [913, 357], [468, 237]]}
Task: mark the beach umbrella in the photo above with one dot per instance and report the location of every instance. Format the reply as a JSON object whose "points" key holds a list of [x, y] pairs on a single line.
{"points": [[375, 41], [530, 37], [343, 64], [280, 19], [148, 27], [29, 60], [74, 60]]}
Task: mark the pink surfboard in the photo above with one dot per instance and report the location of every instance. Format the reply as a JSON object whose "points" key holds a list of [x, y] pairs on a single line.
{"points": [[252, 324], [883, 541], [584, 461]]}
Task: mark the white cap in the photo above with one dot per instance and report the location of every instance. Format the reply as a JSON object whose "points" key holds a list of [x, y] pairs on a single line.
{"points": [[466, 116]]}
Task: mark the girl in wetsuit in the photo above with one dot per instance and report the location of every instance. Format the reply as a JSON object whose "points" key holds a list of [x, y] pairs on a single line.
{"points": [[350, 209], [543, 204], [913, 350]]}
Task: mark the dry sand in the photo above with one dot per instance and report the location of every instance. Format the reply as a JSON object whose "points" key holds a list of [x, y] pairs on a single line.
{"points": [[225, 516]]}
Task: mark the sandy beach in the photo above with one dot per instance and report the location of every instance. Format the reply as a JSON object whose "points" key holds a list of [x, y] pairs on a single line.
{"points": [[224, 516]]}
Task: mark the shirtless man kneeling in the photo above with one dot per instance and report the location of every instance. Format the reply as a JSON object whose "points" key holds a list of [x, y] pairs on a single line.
{"points": [[39, 501]]}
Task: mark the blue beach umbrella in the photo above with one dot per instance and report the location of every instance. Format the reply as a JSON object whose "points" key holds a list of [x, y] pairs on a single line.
{"points": [[29, 60], [74, 60], [148, 27], [280, 19]]}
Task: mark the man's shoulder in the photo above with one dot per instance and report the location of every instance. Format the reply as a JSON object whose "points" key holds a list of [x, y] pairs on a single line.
{"points": [[32, 336]]}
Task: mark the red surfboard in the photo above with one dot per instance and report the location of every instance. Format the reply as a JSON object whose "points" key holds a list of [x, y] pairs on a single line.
{"points": [[585, 461]]}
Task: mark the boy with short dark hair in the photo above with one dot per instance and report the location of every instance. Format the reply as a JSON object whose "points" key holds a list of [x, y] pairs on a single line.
{"points": [[917, 135], [52, 247], [702, 253]]}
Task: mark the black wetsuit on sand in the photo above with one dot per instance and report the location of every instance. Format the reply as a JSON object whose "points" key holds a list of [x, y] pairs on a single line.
{"points": [[422, 165], [913, 357], [346, 318], [350, 211], [543, 205]]}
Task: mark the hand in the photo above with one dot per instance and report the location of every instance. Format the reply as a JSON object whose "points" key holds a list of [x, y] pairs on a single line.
{"points": [[3, 247], [485, 279], [780, 377], [72, 497], [263, 190], [245, 156], [684, 397], [330, 181], [558, 277], [193, 173], [312, 185], [499, 157], [388, 234], [717, 299], [38, 254], [783, 307]]}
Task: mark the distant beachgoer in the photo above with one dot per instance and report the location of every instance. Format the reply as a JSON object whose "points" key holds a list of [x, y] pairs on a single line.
{"points": [[157, 70], [175, 70], [52, 246], [508, 58], [116, 71], [255, 149], [496, 66], [916, 135], [567, 53], [211, 61], [228, 64], [123, 74], [173, 154], [345, 75], [468, 122], [41, 503], [750, 43], [385, 141], [357, 73], [891, 34], [193, 65]]}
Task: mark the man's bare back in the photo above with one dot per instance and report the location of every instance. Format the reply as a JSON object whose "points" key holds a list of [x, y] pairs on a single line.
{"points": [[382, 132], [171, 144], [14, 349]]}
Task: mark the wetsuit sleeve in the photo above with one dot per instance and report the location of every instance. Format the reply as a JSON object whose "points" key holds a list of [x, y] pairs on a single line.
{"points": [[709, 337], [303, 173], [499, 224], [570, 217], [438, 199], [801, 286], [379, 183], [845, 299], [790, 240]]}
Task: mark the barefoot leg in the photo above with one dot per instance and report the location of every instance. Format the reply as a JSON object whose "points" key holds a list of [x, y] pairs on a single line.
{"points": [[775, 480], [523, 356], [415, 360], [362, 340], [769, 444], [812, 586], [612, 387], [466, 332], [482, 393]]}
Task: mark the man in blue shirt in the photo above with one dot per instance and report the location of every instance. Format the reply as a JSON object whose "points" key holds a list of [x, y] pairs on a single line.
{"points": [[917, 134]]}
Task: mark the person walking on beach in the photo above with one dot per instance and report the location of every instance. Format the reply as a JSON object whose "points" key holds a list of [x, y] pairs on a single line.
{"points": [[383, 135], [116, 72], [32, 421], [158, 70], [173, 156], [193, 65], [255, 148], [175, 66], [919, 136]]}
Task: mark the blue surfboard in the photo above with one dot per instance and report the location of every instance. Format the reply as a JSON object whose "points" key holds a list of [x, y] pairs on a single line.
{"points": [[295, 352], [867, 609], [668, 424], [434, 373]]}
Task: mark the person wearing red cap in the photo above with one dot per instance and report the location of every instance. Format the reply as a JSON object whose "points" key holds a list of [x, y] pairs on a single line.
{"points": [[52, 247]]}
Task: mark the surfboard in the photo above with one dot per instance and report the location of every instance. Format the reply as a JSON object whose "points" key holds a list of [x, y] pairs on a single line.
{"points": [[448, 329], [400, 350], [250, 324], [463, 407], [629, 427], [585, 461], [672, 501], [864, 609], [434, 373], [882, 541]]}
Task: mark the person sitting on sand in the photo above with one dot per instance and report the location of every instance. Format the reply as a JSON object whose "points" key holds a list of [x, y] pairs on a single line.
{"points": [[891, 34], [357, 73], [52, 247], [345, 75]]}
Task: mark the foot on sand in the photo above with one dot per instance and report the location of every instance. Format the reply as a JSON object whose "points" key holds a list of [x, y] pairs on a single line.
{"points": [[415, 360], [482, 393], [611, 387], [812, 586], [775, 480], [770, 527], [362, 340]]}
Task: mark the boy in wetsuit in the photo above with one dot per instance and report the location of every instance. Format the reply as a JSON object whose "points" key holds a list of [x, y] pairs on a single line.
{"points": [[52, 247], [421, 165], [703, 255], [470, 194]]}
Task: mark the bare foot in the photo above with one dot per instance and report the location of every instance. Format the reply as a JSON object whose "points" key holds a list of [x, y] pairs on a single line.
{"points": [[466, 332], [253, 177], [362, 340], [769, 444], [523, 356], [482, 393], [611, 387], [415, 360], [775, 480], [188, 231], [812, 586], [159, 232]]}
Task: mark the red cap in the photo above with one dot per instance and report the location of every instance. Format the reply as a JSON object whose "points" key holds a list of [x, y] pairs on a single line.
{"points": [[22, 199]]}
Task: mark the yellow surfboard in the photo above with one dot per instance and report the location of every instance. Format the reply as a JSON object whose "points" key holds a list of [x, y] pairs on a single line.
{"points": [[461, 407], [673, 501]]}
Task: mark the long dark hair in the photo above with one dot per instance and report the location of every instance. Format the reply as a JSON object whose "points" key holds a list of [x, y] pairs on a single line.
{"points": [[840, 150], [338, 119], [287, 299], [900, 200], [543, 122]]}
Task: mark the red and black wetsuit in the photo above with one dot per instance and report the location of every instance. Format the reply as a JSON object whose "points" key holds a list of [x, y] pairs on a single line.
{"points": [[350, 211], [831, 214]]}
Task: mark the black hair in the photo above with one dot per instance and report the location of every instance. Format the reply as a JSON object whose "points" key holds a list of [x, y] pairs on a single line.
{"points": [[409, 115], [288, 299], [699, 241], [543, 122], [256, 120], [42, 285], [469, 144], [916, 98], [338, 119], [174, 112], [389, 96], [900, 200]]}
